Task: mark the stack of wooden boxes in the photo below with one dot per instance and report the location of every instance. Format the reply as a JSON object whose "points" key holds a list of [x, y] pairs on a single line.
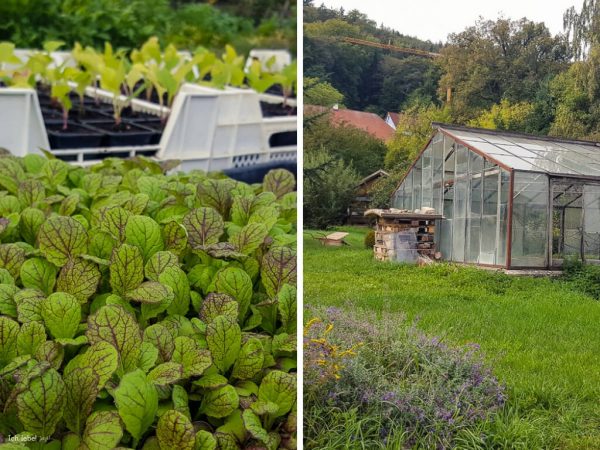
{"points": [[404, 236]]}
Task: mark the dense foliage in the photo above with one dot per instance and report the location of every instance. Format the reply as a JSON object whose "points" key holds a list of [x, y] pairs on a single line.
{"points": [[421, 392], [145, 309], [128, 23]]}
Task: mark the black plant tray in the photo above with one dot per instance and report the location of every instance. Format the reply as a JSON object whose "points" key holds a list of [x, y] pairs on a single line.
{"points": [[153, 123], [128, 134], [277, 109], [77, 135]]}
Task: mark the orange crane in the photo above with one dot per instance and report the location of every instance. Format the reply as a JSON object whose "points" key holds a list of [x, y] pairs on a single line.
{"points": [[412, 51]]}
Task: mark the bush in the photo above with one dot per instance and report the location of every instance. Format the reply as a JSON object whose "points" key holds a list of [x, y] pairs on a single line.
{"points": [[583, 277], [370, 239], [329, 188], [135, 304], [417, 388]]}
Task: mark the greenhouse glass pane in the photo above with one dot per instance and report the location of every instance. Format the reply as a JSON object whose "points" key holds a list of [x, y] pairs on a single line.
{"points": [[489, 219], [474, 209], [408, 189], [438, 175], [427, 165], [530, 220], [591, 221], [417, 184], [460, 204], [502, 232]]}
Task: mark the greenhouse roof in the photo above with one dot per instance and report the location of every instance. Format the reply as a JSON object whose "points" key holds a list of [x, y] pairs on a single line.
{"points": [[531, 153]]}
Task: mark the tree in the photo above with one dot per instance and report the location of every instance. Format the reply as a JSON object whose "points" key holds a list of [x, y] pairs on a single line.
{"points": [[412, 133], [321, 93], [354, 147], [506, 116], [329, 188], [498, 60]]}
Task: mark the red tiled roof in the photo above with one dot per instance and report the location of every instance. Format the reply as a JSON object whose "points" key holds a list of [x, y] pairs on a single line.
{"points": [[369, 122]]}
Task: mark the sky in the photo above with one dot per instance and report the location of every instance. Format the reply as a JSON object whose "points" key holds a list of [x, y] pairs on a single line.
{"points": [[434, 19]]}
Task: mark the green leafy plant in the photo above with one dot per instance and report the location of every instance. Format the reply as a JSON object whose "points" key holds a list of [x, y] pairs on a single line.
{"points": [[288, 79], [135, 305]]}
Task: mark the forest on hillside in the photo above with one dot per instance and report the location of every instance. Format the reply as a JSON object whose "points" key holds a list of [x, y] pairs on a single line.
{"points": [[505, 73]]}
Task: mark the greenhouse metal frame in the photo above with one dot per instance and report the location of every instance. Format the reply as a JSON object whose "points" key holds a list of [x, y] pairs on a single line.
{"points": [[509, 200]]}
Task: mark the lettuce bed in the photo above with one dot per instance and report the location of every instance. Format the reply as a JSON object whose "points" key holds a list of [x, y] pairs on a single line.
{"points": [[144, 310]]}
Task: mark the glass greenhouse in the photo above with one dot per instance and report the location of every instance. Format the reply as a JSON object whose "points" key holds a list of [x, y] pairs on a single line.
{"points": [[508, 200]]}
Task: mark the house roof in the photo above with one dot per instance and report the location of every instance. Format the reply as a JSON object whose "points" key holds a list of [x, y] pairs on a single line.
{"points": [[530, 153], [395, 117], [369, 122], [376, 174]]}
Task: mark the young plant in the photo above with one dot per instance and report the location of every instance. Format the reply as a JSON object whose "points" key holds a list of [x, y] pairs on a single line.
{"points": [[113, 72], [228, 71], [288, 79], [90, 61], [258, 79], [59, 78], [82, 80]]}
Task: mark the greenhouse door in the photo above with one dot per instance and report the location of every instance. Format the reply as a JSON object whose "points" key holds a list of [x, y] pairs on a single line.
{"points": [[591, 222], [567, 218]]}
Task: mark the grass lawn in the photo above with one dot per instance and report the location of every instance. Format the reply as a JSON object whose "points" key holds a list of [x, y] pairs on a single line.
{"points": [[541, 336]]}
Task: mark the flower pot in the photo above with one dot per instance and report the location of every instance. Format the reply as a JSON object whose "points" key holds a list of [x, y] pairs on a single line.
{"points": [[124, 134], [152, 123], [77, 135]]}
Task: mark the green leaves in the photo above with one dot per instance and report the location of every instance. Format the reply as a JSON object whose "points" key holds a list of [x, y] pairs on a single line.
{"points": [[224, 339], [121, 286], [204, 227], [62, 238], [40, 407], [126, 269], [116, 326], [278, 388], [61, 313], [279, 181], [144, 233], [137, 403], [37, 273], [175, 431]]}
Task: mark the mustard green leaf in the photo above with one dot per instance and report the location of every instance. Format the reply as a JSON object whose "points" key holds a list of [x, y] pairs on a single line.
{"points": [[151, 292], [278, 268], [250, 237], [9, 332], [61, 313], [159, 336], [102, 244], [31, 336], [237, 283], [55, 171], [249, 361], [113, 220], [126, 269], [29, 305], [279, 181], [51, 352], [69, 205], [175, 431], [176, 279], [241, 210], [211, 381], [8, 305], [267, 215], [116, 326], [254, 427], [12, 257], [180, 400], [61, 238], [166, 373], [6, 277], [29, 224], [278, 388], [215, 305], [101, 357], [224, 339], [38, 273], [220, 402], [158, 262], [175, 237], [205, 441], [286, 304], [226, 441], [40, 407], [81, 391], [215, 194], [103, 431], [144, 233], [31, 192], [11, 174], [194, 359], [137, 402], [80, 278], [148, 356], [204, 227]]}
